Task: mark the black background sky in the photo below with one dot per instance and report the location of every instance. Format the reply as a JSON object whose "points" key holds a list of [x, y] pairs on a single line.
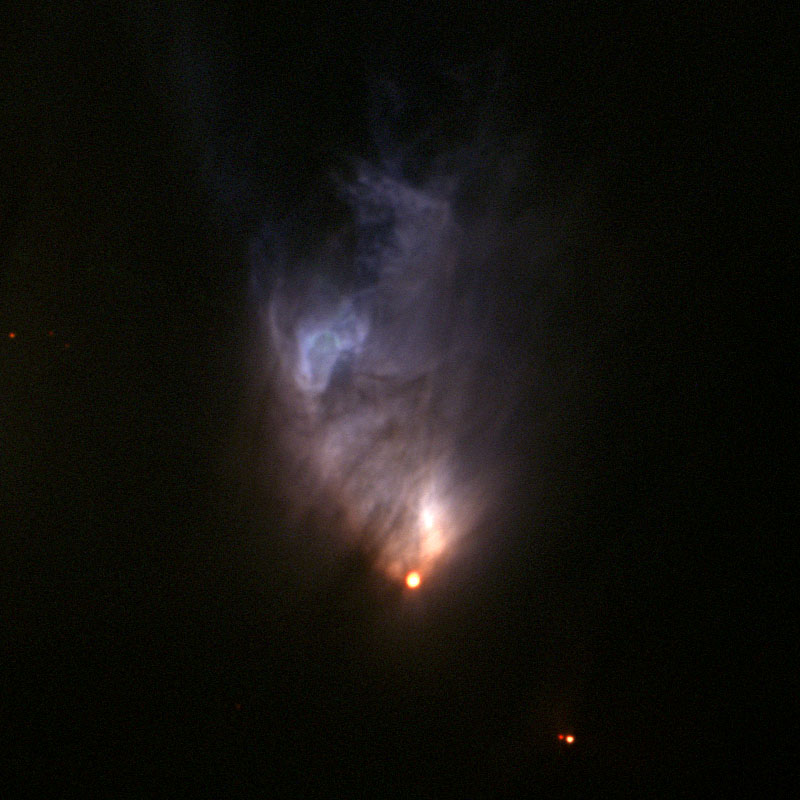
{"points": [[140, 152]]}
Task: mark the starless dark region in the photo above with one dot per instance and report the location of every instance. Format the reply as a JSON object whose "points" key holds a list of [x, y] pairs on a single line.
{"points": [[365, 427]]}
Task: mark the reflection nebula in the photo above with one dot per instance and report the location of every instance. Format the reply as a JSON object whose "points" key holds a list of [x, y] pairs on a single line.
{"points": [[384, 414]]}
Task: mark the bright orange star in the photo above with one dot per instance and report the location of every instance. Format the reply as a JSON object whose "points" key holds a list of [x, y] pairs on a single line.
{"points": [[413, 579]]}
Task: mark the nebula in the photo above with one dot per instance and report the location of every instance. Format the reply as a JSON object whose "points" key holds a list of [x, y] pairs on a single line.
{"points": [[392, 377]]}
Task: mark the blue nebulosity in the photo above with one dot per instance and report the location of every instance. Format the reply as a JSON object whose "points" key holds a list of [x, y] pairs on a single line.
{"points": [[321, 344]]}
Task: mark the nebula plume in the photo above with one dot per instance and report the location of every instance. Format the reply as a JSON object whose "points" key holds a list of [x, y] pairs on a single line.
{"points": [[386, 424]]}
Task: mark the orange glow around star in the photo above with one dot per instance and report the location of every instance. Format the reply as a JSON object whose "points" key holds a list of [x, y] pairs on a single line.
{"points": [[413, 579]]}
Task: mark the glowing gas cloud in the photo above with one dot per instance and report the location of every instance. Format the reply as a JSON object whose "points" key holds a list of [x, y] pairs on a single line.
{"points": [[406, 340], [384, 409]]}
